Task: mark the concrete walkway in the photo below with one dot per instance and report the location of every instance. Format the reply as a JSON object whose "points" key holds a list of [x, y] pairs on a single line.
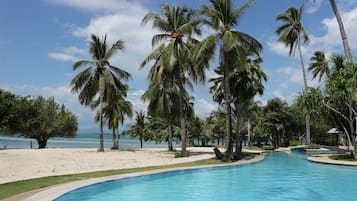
{"points": [[326, 160]]}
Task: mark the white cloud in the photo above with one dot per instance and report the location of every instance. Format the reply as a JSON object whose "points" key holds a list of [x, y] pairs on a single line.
{"points": [[68, 54], [125, 26], [291, 75], [99, 5], [203, 108], [314, 6], [332, 39]]}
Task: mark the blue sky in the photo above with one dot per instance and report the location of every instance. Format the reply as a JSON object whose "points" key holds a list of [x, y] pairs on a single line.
{"points": [[40, 40]]}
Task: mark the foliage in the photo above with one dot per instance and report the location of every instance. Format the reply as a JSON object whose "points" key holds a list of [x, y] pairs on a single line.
{"points": [[233, 46], [37, 118], [294, 142], [178, 154]]}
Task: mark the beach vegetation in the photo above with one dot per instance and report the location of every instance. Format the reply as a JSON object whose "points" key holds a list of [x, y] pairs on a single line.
{"points": [[99, 78], [36, 118], [115, 109], [173, 66], [139, 128], [221, 17]]}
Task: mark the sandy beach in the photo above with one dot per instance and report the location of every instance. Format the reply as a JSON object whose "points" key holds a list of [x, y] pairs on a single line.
{"points": [[20, 164]]}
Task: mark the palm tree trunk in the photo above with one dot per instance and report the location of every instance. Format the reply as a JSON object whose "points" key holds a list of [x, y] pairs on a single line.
{"points": [[249, 131], [238, 151], [141, 140], [183, 124], [307, 117], [101, 134], [115, 139], [227, 96], [170, 138], [342, 31]]}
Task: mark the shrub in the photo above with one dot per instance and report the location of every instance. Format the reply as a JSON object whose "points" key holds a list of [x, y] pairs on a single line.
{"points": [[294, 142], [179, 155]]}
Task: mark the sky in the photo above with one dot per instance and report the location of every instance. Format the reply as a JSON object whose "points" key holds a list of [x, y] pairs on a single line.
{"points": [[41, 39]]}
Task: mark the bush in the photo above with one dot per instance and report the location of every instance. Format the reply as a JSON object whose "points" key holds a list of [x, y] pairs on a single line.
{"points": [[294, 142], [179, 155]]}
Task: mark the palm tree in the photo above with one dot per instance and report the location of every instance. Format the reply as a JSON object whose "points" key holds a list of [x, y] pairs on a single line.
{"points": [[173, 55], [98, 75], [290, 34], [245, 84], [234, 46], [163, 101], [139, 128], [319, 65]]}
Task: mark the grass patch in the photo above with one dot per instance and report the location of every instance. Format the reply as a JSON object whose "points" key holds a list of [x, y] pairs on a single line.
{"points": [[313, 146], [14, 188], [254, 148], [343, 157]]}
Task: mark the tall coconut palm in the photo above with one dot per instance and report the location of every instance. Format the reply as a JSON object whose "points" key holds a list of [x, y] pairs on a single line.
{"points": [[172, 56], [343, 34], [342, 31], [319, 65], [290, 33], [98, 75], [233, 47]]}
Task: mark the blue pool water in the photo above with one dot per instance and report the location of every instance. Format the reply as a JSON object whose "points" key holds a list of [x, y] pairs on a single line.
{"points": [[280, 177]]}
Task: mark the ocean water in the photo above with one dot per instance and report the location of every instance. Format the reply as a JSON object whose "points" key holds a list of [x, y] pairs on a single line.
{"points": [[82, 140], [280, 177]]}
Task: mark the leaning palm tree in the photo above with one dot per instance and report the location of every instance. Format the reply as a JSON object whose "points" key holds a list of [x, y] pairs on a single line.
{"points": [[290, 33], [342, 31], [319, 65], [233, 47], [97, 76], [172, 56], [343, 34]]}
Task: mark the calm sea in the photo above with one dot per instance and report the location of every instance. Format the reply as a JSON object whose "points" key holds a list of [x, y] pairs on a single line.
{"points": [[82, 140]]}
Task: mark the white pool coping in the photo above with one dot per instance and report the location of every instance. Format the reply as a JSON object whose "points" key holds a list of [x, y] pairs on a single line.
{"points": [[58, 190]]}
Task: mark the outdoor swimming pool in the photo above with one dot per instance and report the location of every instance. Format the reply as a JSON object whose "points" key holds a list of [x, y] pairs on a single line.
{"points": [[280, 177]]}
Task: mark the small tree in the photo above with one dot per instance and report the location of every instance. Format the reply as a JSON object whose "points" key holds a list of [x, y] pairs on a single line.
{"points": [[40, 119]]}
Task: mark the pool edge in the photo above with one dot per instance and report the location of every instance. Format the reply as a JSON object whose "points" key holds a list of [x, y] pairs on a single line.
{"points": [[55, 192]]}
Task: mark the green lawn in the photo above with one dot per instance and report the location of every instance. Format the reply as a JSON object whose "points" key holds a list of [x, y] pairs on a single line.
{"points": [[14, 188], [343, 157]]}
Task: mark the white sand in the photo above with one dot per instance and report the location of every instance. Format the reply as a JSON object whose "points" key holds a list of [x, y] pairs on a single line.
{"points": [[20, 164]]}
